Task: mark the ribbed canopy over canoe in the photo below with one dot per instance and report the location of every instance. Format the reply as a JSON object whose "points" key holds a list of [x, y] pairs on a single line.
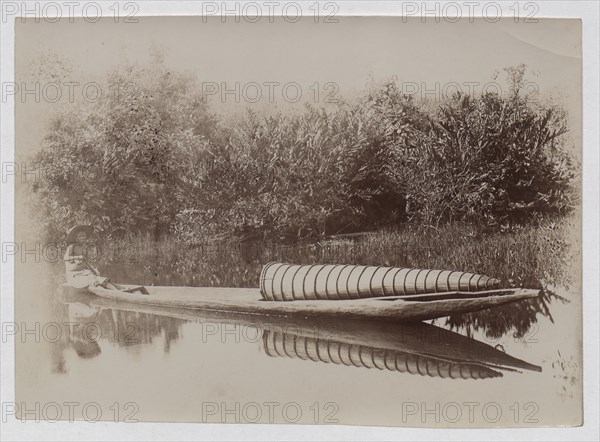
{"points": [[289, 282]]}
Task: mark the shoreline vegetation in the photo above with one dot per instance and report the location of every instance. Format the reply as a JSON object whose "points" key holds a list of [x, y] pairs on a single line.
{"points": [[160, 162], [539, 257]]}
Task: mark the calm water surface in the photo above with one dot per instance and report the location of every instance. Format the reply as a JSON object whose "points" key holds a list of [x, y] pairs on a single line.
{"points": [[153, 364]]}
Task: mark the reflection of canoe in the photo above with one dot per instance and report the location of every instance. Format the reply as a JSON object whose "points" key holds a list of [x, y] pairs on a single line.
{"points": [[248, 301], [292, 346], [417, 348]]}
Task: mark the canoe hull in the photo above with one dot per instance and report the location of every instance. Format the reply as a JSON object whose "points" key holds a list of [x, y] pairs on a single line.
{"points": [[249, 302], [415, 348]]}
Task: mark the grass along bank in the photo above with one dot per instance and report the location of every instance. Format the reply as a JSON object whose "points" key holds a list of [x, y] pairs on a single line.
{"points": [[532, 256]]}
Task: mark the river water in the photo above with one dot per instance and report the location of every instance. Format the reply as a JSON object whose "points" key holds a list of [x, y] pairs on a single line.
{"points": [[93, 359]]}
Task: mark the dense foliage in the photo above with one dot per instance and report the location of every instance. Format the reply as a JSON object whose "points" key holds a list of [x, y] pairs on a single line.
{"points": [[156, 160], [489, 158], [117, 163]]}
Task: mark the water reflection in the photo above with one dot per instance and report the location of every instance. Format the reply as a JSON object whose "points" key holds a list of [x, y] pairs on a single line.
{"points": [[418, 349], [421, 349], [90, 323], [518, 317], [280, 344]]}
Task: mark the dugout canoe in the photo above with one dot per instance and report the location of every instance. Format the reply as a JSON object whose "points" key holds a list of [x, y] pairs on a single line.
{"points": [[410, 348], [249, 301]]}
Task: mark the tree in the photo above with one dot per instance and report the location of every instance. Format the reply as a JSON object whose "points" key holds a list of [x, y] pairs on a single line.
{"points": [[117, 163], [492, 157]]}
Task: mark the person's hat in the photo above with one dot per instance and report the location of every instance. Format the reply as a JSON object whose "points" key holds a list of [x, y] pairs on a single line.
{"points": [[72, 235]]}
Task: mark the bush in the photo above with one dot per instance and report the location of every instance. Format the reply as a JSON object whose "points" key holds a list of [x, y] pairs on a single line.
{"points": [[300, 176], [490, 158], [117, 164]]}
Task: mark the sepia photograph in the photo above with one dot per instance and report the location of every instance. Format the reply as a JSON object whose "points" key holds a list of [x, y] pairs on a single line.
{"points": [[300, 217]]}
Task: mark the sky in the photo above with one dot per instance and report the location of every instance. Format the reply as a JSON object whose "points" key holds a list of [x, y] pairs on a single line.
{"points": [[338, 59]]}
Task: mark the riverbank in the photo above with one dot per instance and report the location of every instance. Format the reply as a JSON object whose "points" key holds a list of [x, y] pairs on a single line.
{"points": [[538, 257]]}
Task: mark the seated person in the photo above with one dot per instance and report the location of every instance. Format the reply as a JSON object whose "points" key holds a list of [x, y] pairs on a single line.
{"points": [[80, 274]]}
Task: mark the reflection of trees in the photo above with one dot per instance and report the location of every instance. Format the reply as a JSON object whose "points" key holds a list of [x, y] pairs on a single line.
{"points": [[496, 322], [127, 328], [92, 324]]}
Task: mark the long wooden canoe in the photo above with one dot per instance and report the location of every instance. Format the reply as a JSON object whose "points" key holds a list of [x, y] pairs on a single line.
{"points": [[250, 302], [413, 348]]}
